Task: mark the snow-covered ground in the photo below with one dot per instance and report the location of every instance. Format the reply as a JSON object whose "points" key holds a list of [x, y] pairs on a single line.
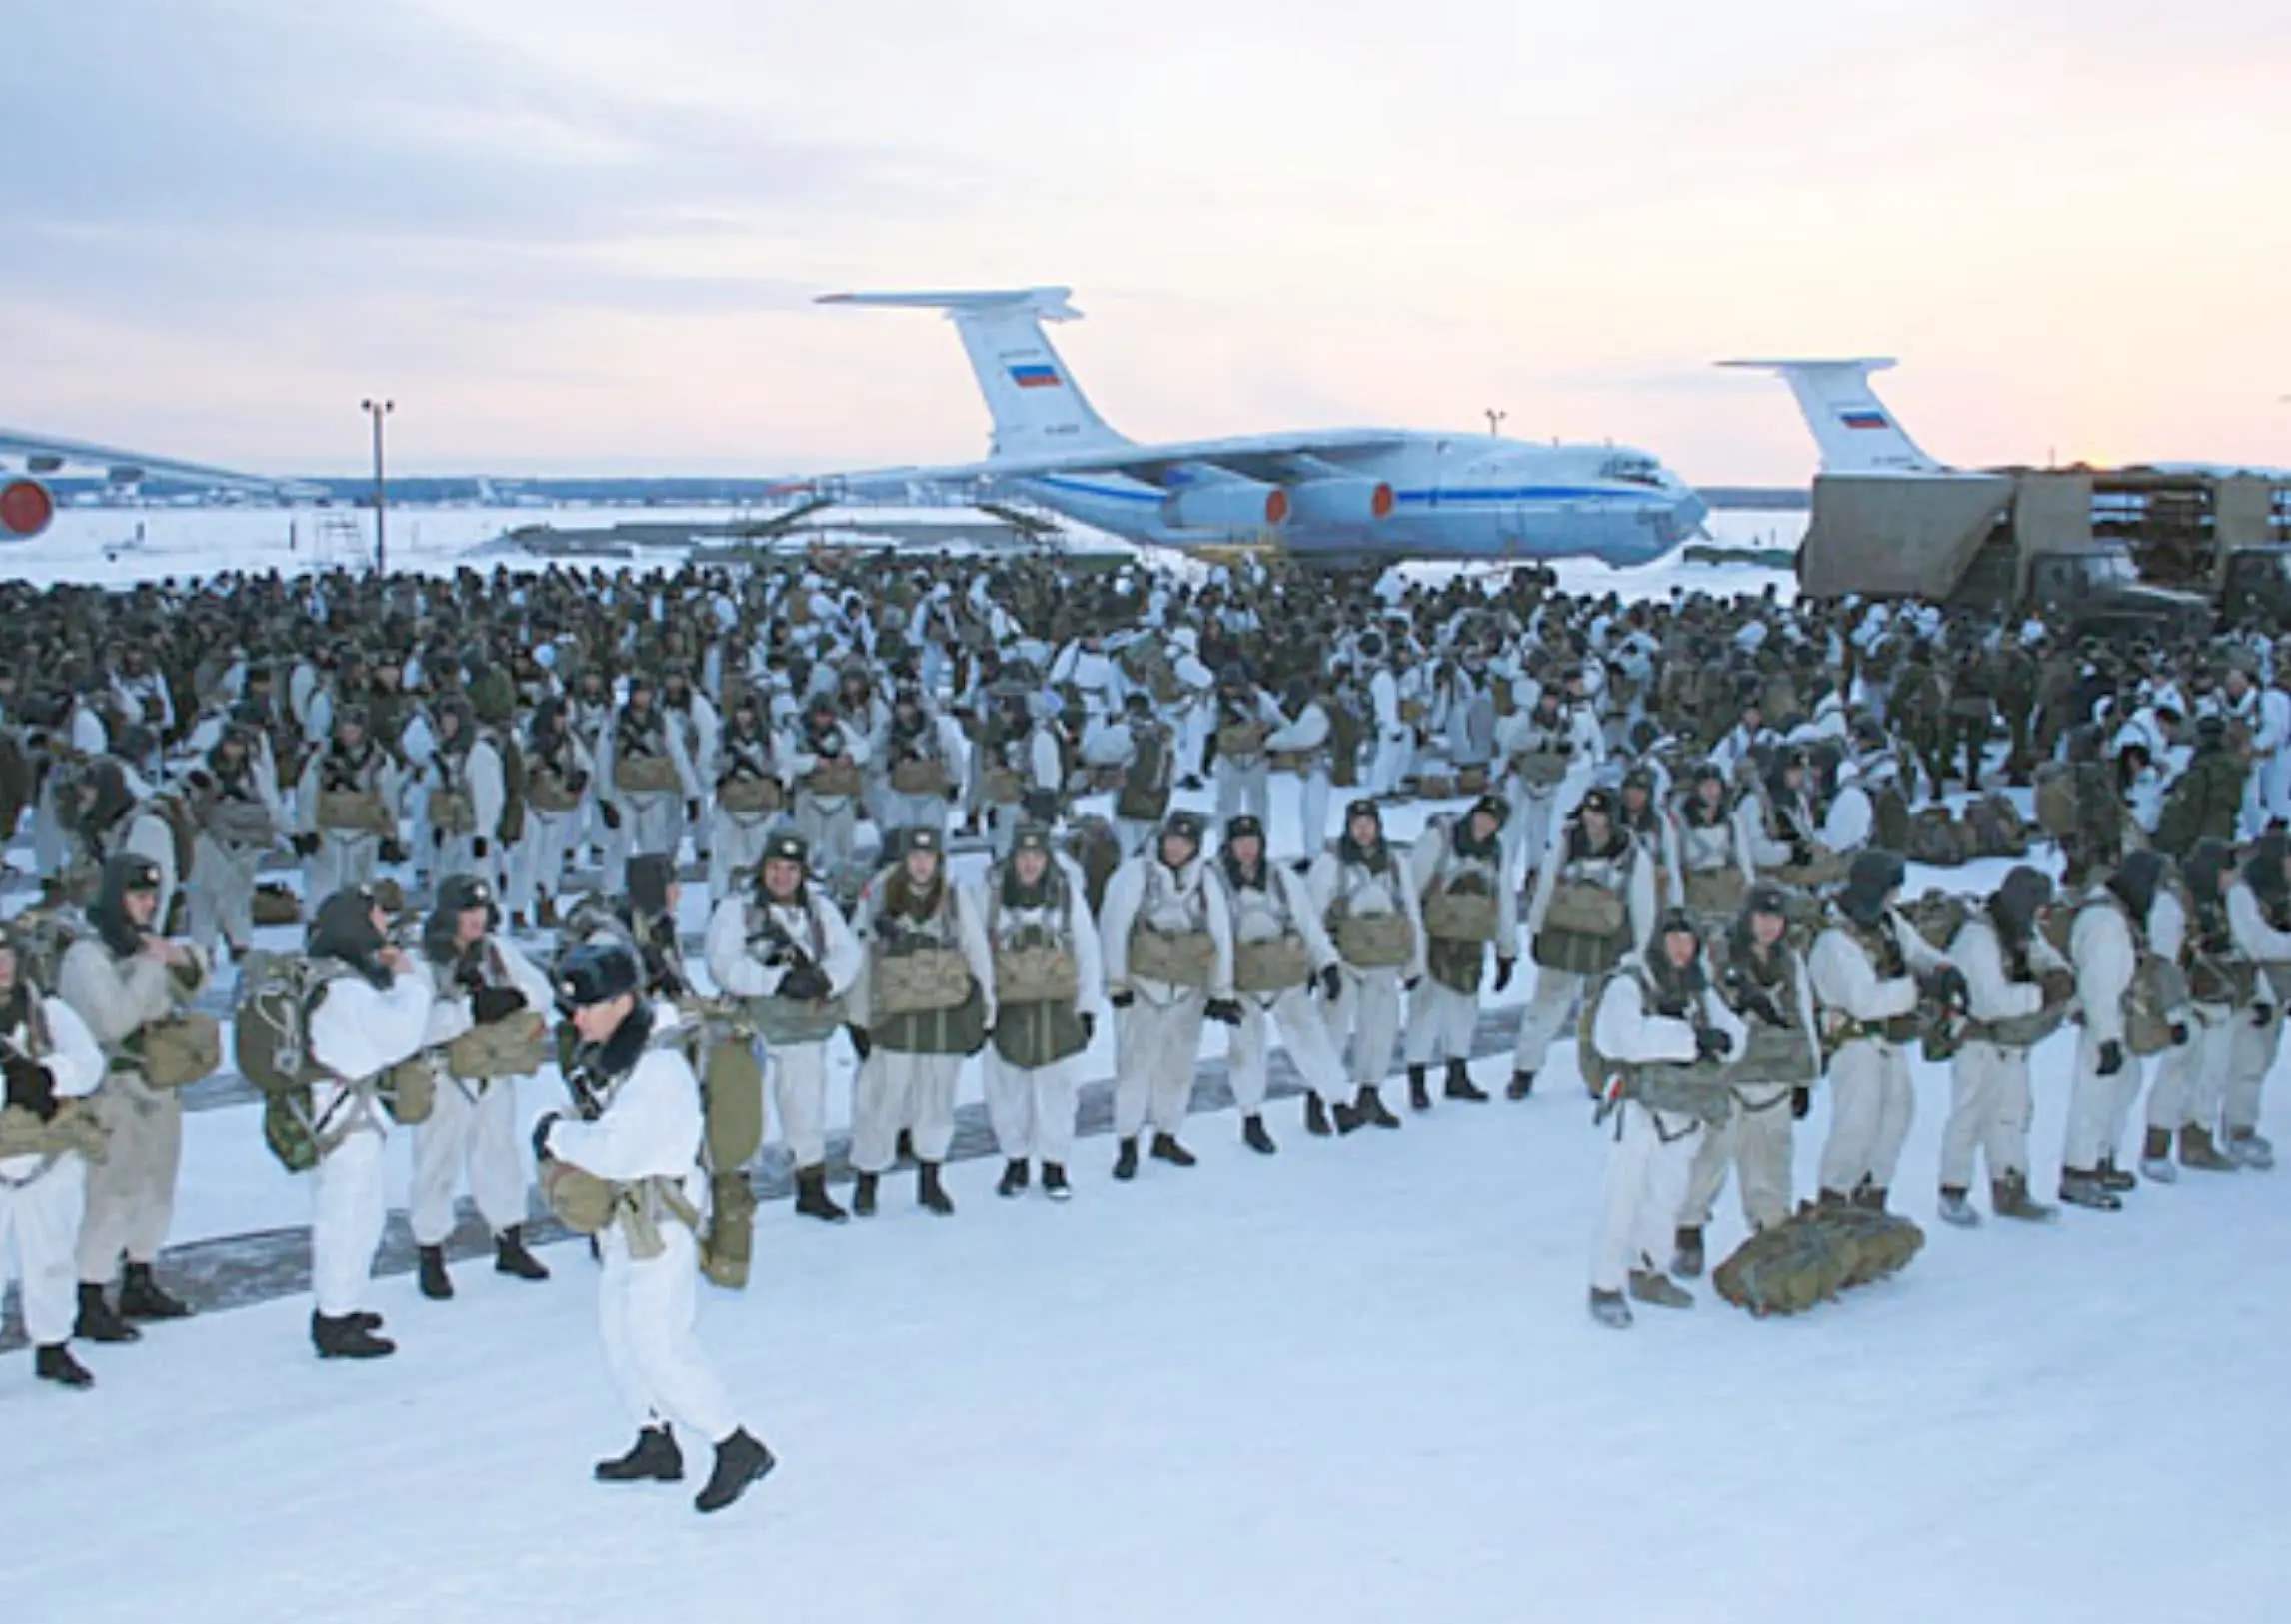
{"points": [[1353, 1381]]}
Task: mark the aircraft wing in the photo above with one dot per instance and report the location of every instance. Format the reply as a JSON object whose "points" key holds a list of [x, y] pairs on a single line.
{"points": [[47, 453], [1244, 455]]}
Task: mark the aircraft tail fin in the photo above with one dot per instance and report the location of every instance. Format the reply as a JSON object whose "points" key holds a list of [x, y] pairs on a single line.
{"points": [[1035, 403], [1852, 427]]}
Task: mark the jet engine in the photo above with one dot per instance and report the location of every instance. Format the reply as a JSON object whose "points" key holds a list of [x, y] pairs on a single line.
{"points": [[26, 506], [1342, 500], [1236, 506]]}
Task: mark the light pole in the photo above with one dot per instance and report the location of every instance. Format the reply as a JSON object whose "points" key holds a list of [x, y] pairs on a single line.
{"points": [[378, 409], [1496, 420]]}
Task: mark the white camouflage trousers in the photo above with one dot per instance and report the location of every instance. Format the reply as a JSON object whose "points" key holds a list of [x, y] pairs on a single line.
{"points": [[40, 1221], [1756, 1142], [1988, 1112], [473, 1129], [1871, 1107], [898, 1091], [1155, 1046], [1032, 1108], [131, 1192], [1640, 1200], [644, 1313], [1303, 1033], [1367, 1013]]}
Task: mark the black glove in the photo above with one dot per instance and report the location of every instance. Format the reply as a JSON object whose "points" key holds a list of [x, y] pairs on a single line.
{"points": [[1088, 1027], [306, 846], [862, 1044], [436, 836], [1122, 999], [1331, 983], [1801, 1103], [1800, 854], [392, 850], [1948, 986], [1504, 972], [952, 794], [479, 847], [609, 813], [804, 983], [1227, 1011], [2111, 1058], [1711, 1044], [490, 1003], [541, 1135], [1412, 983], [692, 811], [2179, 1033], [2261, 1014], [31, 1085], [577, 780]]}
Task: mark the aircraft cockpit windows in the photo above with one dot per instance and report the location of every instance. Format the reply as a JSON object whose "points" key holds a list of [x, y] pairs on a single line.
{"points": [[1632, 470]]}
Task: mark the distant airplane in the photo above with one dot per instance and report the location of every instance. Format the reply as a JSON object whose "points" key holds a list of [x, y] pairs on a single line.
{"points": [[1331, 494], [27, 505], [1852, 427]]}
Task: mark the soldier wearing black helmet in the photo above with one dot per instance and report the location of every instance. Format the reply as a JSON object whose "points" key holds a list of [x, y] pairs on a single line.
{"points": [[1457, 871], [2017, 990], [123, 980], [371, 1010], [1368, 910], [1763, 980], [1663, 1037], [786, 954], [1167, 938], [1050, 995], [1594, 896], [489, 1006], [638, 1146], [1870, 971]]}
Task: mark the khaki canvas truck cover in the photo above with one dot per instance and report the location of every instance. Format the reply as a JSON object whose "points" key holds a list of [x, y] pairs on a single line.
{"points": [[2051, 513], [1898, 536]]}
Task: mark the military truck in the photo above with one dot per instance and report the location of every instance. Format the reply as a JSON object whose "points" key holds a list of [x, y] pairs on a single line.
{"points": [[2011, 541]]}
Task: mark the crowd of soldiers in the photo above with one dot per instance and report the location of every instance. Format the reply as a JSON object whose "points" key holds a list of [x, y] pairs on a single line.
{"points": [[1684, 812]]}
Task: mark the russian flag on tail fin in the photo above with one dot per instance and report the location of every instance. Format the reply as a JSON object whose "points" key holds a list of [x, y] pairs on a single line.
{"points": [[1033, 374]]}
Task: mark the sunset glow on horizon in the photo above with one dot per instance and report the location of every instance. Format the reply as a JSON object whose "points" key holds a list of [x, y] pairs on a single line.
{"points": [[572, 237]]}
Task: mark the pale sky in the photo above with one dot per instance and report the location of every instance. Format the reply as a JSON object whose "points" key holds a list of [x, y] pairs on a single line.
{"points": [[583, 235]]}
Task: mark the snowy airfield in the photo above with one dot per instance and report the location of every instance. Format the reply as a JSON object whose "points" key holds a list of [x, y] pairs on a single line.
{"points": [[1352, 1381]]}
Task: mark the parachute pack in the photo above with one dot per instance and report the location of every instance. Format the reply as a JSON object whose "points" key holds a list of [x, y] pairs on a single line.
{"points": [[271, 1032]]}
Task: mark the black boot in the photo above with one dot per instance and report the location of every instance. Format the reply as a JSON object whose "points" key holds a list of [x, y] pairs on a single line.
{"points": [[812, 1199], [1369, 1108], [1167, 1148], [141, 1298], [432, 1277], [1317, 1117], [54, 1362], [1870, 1197], [1522, 1085], [1254, 1137], [1686, 1254], [1125, 1160], [2113, 1177], [1348, 1119], [739, 1461], [1461, 1085], [1419, 1093], [654, 1458], [97, 1324], [1013, 1180], [1054, 1182], [347, 1338], [511, 1257], [863, 1196], [926, 1190]]}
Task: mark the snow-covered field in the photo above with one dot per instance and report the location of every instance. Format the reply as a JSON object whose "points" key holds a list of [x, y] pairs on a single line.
{"points": [[1353, 1381]]}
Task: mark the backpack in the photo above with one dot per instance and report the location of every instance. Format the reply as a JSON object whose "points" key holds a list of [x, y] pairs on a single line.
{"points": [[1996, 828], [1937, 839], [271, 1025], [1097, 852], [2056, 799], [2181, 823], [1889, 816]]}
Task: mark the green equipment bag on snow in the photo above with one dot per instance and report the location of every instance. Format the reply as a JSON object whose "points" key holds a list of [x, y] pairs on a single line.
{"points": [[1812, 1256]]}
